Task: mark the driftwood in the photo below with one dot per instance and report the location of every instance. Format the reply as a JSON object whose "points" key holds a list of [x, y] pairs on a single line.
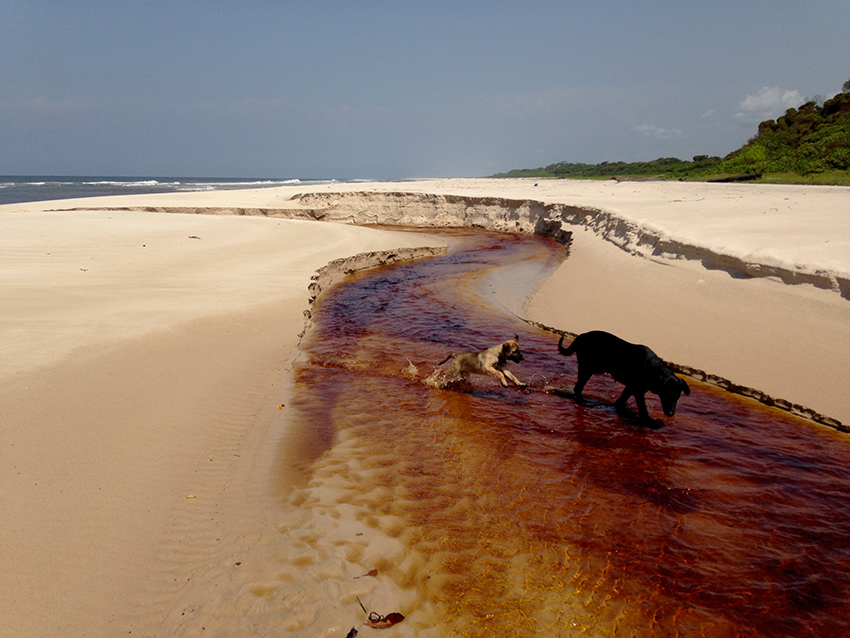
{"points": [[637, 178], [744, 177]]}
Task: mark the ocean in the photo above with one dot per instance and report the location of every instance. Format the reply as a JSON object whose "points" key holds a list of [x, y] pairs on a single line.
{"points": [[37, 188]]}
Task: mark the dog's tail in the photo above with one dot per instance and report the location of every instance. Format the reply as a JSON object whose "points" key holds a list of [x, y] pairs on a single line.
{"points": [[444, 360], [566, 351]]}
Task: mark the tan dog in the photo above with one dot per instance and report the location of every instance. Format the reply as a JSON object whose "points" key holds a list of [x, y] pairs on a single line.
{"points": [[492, 361]]}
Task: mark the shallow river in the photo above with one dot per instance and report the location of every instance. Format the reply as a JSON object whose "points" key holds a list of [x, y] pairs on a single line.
{"points": [[516, 512]]}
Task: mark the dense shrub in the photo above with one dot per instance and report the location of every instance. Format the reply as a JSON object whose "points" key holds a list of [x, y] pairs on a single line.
{"points": [[806, 140]]}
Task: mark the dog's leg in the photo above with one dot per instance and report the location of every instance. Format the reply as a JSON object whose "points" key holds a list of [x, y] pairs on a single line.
{"points": [[498, 374], [510, 376], [641, 404], [621, 402], [583, 378], [456, 372]]}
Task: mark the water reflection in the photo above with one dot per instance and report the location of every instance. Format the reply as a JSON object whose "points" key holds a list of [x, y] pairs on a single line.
{"points": [[526, 514]]}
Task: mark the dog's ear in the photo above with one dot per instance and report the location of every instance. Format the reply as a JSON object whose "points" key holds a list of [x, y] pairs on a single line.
{"points": [[685, 387], [516, 337], [506, 347]]}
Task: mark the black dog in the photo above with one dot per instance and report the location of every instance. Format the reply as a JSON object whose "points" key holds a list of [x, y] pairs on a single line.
{"points": [[636, 367]]}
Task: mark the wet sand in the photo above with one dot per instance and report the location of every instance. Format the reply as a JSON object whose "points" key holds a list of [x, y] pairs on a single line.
{"points": [[144, 357]]}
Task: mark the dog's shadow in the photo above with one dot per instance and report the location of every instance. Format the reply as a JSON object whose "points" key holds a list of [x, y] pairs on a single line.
{"points": [[485, 392], [630, 417], [635, 419]]}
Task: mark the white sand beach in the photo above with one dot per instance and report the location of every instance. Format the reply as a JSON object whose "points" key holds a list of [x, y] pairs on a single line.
{"points": [[145, 353]]}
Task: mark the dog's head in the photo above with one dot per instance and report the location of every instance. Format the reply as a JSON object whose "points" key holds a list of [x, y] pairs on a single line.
{"points": [[669, 391], [511, 351]]}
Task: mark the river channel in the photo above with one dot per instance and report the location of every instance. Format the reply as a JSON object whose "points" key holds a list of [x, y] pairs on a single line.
{"points": [[516, 512]]}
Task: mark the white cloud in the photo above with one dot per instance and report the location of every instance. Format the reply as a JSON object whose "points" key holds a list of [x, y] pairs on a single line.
{"points": [[649, 130], [768, 103]]}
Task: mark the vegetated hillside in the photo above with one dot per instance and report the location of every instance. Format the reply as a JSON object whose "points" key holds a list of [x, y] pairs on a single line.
{"points": [[810, 139], [807, 144]]}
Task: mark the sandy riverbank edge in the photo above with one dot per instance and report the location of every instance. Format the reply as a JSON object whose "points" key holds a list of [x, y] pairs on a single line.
{"points": [[753, 236], [340, 268]]}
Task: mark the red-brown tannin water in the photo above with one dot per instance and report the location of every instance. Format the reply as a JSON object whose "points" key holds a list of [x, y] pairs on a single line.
{"points": [[522, 513]]}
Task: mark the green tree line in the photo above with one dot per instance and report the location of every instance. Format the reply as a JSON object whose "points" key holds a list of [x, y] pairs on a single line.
{"points": [[810, 143]]}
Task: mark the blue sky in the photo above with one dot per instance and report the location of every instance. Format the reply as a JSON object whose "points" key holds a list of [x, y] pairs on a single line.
{"points": [[387, 90]]}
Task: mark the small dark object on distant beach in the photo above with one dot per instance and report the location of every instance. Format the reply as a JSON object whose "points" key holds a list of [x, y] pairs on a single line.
{"points": [[637, 367]]}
